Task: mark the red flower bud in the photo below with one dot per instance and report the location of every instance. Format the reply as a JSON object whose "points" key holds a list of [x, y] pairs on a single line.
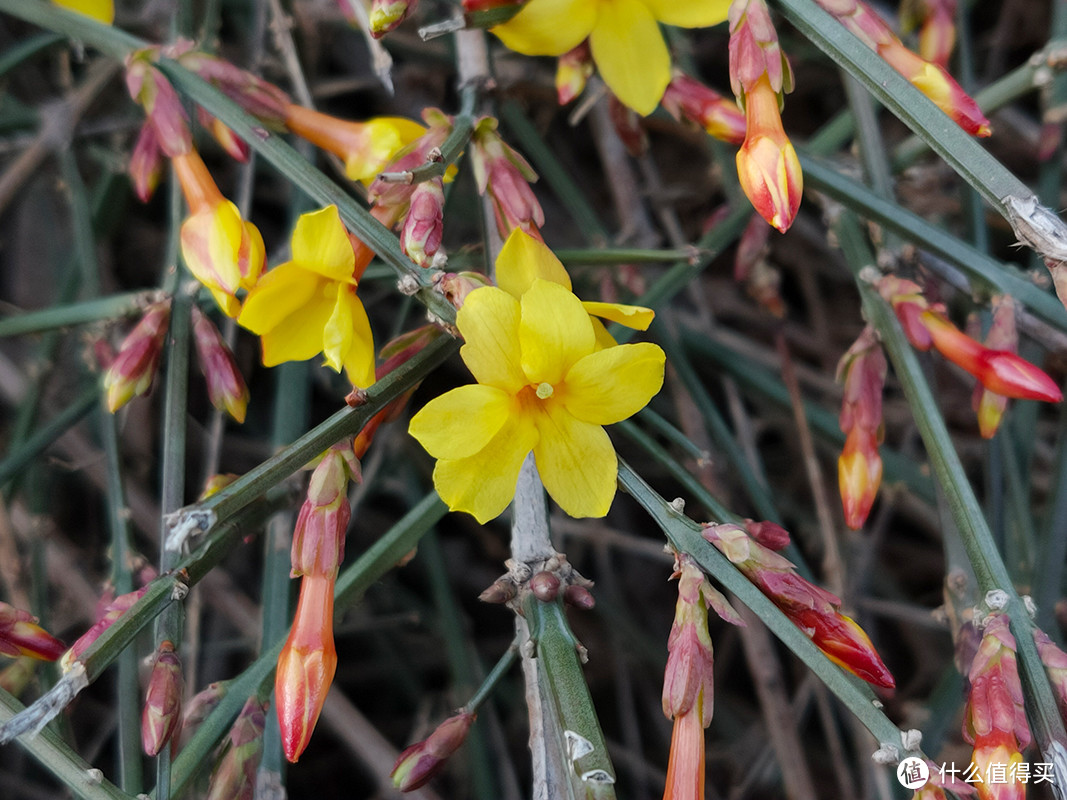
{"points": [[20, 635], [163, 701], [420, 762]]}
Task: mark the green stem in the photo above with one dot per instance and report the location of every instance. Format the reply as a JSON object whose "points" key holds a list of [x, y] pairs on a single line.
{"points": [[346, 422], [47, 433], [499, 670], [107, 39], [103, 308]]}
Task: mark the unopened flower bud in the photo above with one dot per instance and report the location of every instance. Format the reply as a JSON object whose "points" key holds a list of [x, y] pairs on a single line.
{"points": [[455, 286], [134, 368], [234, 777], [226, 387], [420, 233], [163, 701], [573, 70], [420, 762], [500, 591], [146, 164], [505, 176], [199, 709], [256, 96], [161, 103], [579, 597], [386, 15], [688, 99], [769, 534], [20, 635], [545, 586]]}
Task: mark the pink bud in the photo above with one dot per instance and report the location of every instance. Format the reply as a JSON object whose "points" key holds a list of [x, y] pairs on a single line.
{"points": [[420, 233], [420, 762], [545, 586], [146, 164], [134, 368], [226, 387], [163, 701]]}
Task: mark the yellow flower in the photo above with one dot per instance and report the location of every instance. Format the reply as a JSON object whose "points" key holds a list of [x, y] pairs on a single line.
{"points": [[524, 258], [100, 10], [543, 386], [624, 37], [309, 305]]}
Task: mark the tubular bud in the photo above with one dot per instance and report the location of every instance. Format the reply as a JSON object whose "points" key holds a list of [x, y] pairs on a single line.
{"points": [[688, 99], [163, 701], [226, 387], [420, 233], [420, 762]]}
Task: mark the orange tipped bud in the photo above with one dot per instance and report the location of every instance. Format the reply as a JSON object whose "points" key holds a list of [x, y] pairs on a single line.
{"points": [[811, 608], [859, 474], [306, 665], [20, 635], [573, 70], [386, 15], [999, 371], [134, 368], [226, 387], [234, 777], [505, 176], [163, 701], [929, 78], [767, 163], [420, 233], [688, 99], [365, 147], [420, 762]]}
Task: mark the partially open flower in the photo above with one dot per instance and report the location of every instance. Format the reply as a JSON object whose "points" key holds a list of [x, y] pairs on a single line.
{"points": [[20, 635], [222, 250], [420, 762]]}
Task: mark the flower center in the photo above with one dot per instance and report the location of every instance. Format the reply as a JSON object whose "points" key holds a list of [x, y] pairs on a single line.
{"points": [[544, 390]]}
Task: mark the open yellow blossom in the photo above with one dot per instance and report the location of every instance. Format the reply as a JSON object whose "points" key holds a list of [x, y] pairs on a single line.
{"points": [[624, 38], [523, 259], [100, 10], [543, 386], [309, 305]]}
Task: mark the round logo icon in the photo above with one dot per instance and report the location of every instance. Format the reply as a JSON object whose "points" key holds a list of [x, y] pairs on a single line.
{"points": [[913, 773]]}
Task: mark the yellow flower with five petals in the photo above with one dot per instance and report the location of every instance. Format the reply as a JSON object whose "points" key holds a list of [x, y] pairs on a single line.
{"points": [[309, 305], [624, 38], [543, 386]]}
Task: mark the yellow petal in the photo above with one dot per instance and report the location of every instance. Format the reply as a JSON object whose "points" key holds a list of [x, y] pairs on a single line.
{"points": [[483, 484], [321, 244], [577, 463], [279, 293], [489, 322], [603, 338], [211, 245], [554, 332], [337, 332], [613, 384], [461, 422], [298, 336], [229, 304], [636, 317], [359, 360], [689, 13], [255, 258], [548, 27], [523, 258], [631, 55], [100, 10], [385, 137]]}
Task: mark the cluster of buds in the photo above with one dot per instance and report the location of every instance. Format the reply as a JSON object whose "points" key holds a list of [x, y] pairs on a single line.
{"points": [[767, 163], [163, 700], [105, 618], [689, 682], [234, 777], [226, 387], [134, 368], [554, 578], [1003, 336], [573, 70], [936, 21], [690, 100], [812, 609], [422, 761], [386, 15], [20, 635], [929, 78], [927, 325], [995, 717], [505, 176], [308, 660], [859, 468]]}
